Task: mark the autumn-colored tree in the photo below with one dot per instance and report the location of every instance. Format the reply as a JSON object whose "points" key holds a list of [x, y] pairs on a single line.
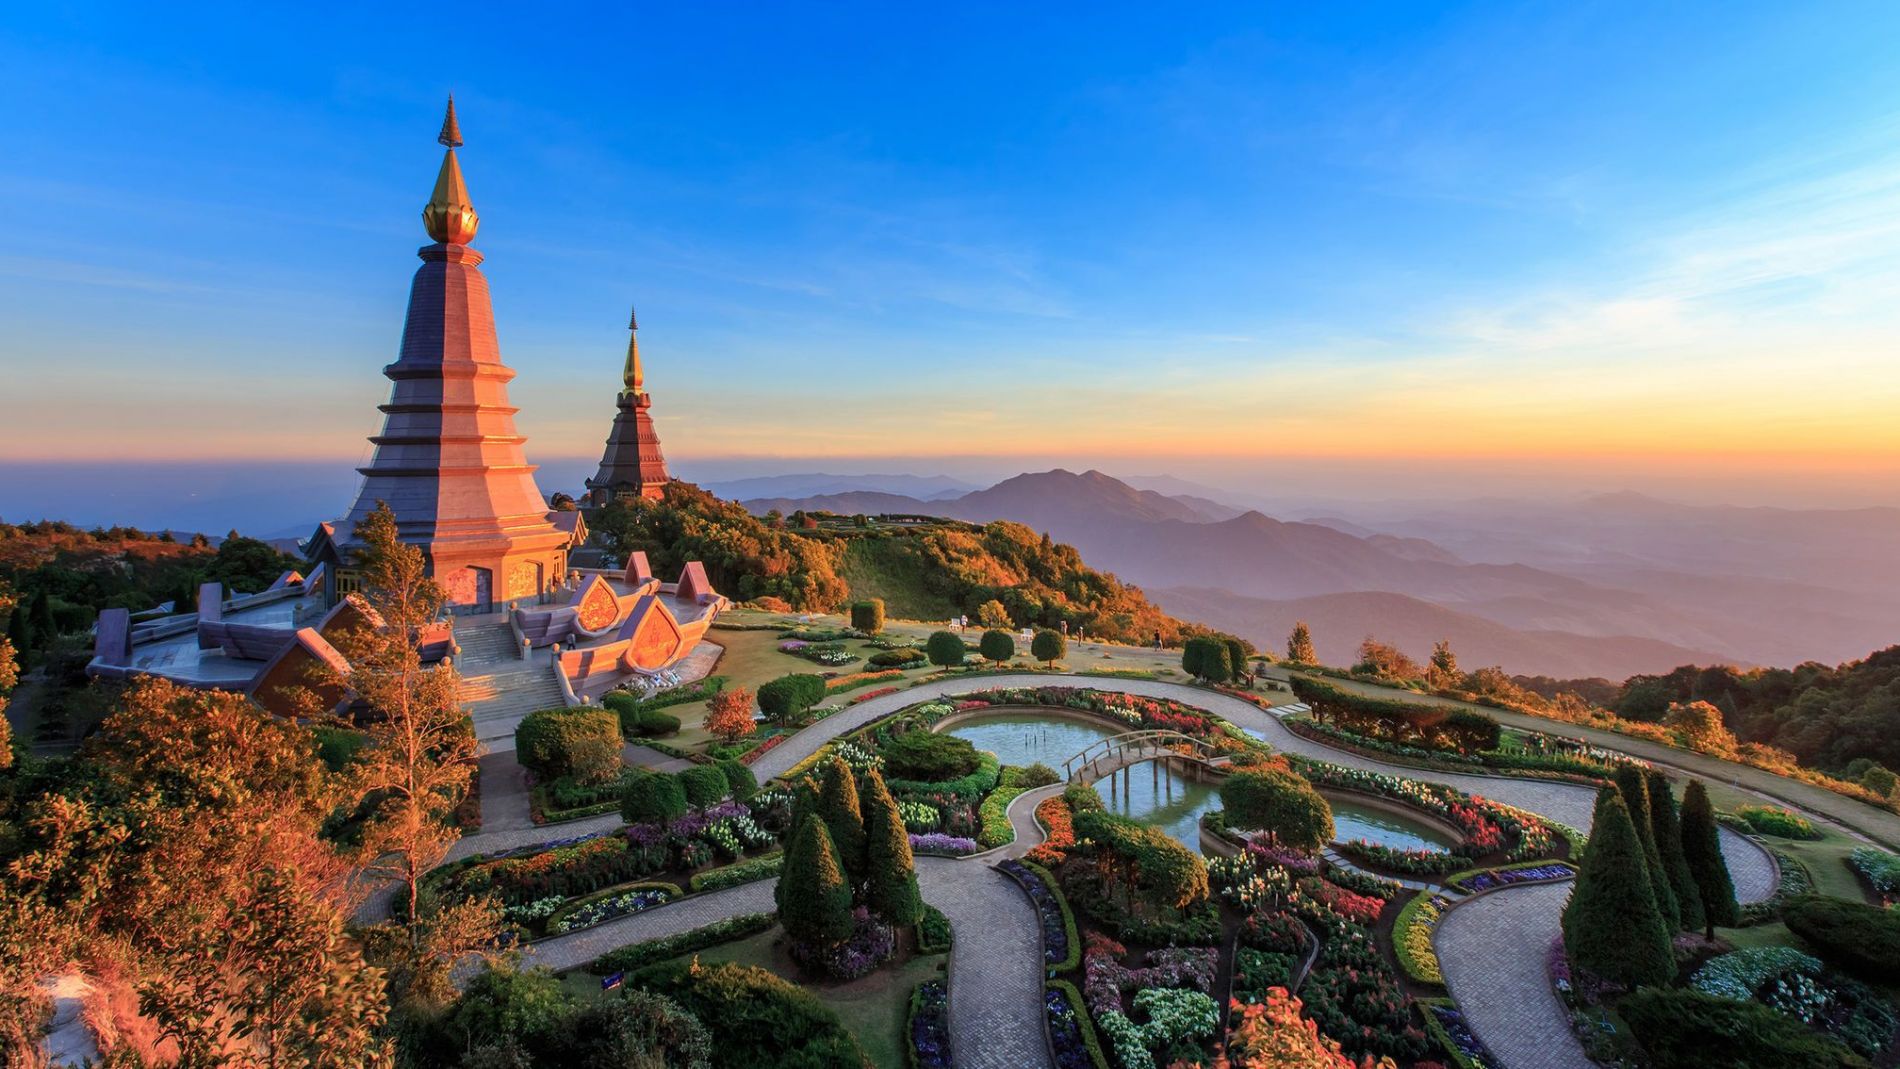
{"points": [[1385, 661], [729, 714], [421, 751], [9, 676], [1299, 645], [992, 614], [1700, 726], [1442, 672], [1275, 1035]]}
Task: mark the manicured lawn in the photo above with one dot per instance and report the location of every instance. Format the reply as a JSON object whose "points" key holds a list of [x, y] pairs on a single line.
{"points": [[873, 1008], [1825, 857]]}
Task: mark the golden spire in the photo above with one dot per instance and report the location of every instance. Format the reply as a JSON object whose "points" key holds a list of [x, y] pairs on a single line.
{"points": [[631, 373], [449, 217]]}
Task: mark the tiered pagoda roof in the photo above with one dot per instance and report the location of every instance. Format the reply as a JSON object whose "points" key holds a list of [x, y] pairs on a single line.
{"points": [[631, 466]]}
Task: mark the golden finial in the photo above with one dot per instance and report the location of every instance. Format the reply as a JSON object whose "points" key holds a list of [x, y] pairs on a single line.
{"points": [[631, 373], [451, 135], [449, 217]]}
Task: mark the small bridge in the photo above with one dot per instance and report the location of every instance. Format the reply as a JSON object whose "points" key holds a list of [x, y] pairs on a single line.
{"points": [[1105, 757]]}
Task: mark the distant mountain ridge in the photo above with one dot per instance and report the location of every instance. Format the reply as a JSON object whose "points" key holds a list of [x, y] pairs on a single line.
{"points": [[1562, 622]]}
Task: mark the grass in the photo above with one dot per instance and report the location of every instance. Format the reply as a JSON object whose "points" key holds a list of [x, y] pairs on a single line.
{"points": [[873, 1008], [1825, 857]]}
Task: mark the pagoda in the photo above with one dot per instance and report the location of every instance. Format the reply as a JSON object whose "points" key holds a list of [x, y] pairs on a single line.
{"points": [[631, 467], [449, 461]]}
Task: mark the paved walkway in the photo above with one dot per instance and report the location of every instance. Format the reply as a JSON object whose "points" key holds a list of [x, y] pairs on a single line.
{"points": [[1496, 943], [1491, 949]]}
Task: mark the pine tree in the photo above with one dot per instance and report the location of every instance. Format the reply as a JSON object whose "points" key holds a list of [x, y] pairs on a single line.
{"points": [[1702, 850], [1611, 925], [844, 818], [1668, 834], [814, 901], [890, 872], [1634, 787], [1299, 645]]}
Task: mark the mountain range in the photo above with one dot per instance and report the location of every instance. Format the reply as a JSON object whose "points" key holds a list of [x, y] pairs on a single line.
{"points": [[1608, 586]]}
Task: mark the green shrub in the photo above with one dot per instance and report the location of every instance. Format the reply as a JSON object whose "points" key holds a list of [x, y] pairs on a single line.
{"points": [[1773, 820], [1082, 798], [1684, 1029], [704, 785], [897, 659], [928, 756], [1853, 936], [868, 615], [652, 797], [786, 698], [650, 723], [995, 829], [1036, 775], [813, 896], [581, 743], [997, 645], [1283, 805], [654, 951], [739, 779], [933, 932], [1611, 925], [761, 1019], [1048, 646], [945, 649], [964, 788]]}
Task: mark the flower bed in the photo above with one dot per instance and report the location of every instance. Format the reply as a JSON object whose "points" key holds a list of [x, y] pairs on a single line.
{"points": [[1061, 949], [993, 817], [1396, 859], [1486, 826], [1505, 876], [861, 679], [1321, 900], [1106, 979], [1740, 975], [1774, 820], [653, 951], [1412, 938], [1174, 1016], [869, 694], [871, 944], [763, 868], [1072, 1041], [934, 934], [1059, 824], [1880, 869], [762, 749], [598, 910], [930, 1026], [942, 845], [829, 654]]}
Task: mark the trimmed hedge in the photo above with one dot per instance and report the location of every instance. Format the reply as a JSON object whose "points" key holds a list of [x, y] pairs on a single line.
{"points": [[966, 788], [704, 785], [928, 757], [1852, 936], [897, 659], [580, 743], [761, 868], [1683, 1029], [654, 951], [934, 935], [1074, 958], [1084, 1024], [762, 1018]]}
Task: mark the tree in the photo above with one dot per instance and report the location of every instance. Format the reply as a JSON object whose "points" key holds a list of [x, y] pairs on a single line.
{"points": [[1299, 645], [704, 785], [1443, 670], [1700, 725], [843, 814], [997, 646], [9, 678], [422, 747], [247, 564], [1667, 830], [1878, 779], [786, 698], [868, 615], [20, 631], [1633, 785], [945, 649], [652, 798], [1283, 805], [583, 743], [1702, 850], [813, 895], [1206, 660], [890, 872], [1611, 926], [1385, 661], [739, 779], [44, 625], [992, 614], [1145, 860], [729, 715], [1236, 657], [1049, 647]]}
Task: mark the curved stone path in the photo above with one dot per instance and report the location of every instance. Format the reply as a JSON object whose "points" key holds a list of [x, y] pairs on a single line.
{"points": [[1496, 949]]}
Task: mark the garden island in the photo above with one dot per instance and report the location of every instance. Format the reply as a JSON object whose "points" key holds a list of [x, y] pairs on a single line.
{"points": [[470, 785]]}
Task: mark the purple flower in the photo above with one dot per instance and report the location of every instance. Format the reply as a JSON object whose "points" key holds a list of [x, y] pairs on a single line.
{"points": [[937, 842]]}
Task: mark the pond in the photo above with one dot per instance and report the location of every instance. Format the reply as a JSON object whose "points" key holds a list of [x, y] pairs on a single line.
{"points": [[1164, 800]]}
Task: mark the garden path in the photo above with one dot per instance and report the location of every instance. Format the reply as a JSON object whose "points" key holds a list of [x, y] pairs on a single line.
{"points": [[1492, 950], [996, 979]]}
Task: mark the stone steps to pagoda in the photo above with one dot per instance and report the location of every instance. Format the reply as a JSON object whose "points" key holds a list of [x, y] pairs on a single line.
{"points": [[483, 647]]}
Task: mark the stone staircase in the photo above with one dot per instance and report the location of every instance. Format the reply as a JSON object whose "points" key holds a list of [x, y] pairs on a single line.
{"points": [[499, 686]]}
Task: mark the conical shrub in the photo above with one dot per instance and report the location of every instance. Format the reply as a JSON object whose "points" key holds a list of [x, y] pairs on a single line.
{"points": [[814, 902], [1611, 926], [1633, 785], [843, 817], [1667, 830], [1702, 850], [890, 884]]}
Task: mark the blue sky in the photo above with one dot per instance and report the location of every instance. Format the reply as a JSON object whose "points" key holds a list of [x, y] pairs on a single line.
{"points": [[1605, 244]]}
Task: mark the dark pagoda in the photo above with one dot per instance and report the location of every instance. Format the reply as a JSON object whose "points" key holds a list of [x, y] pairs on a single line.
{"points": [[449, 461], [631, 467]]}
